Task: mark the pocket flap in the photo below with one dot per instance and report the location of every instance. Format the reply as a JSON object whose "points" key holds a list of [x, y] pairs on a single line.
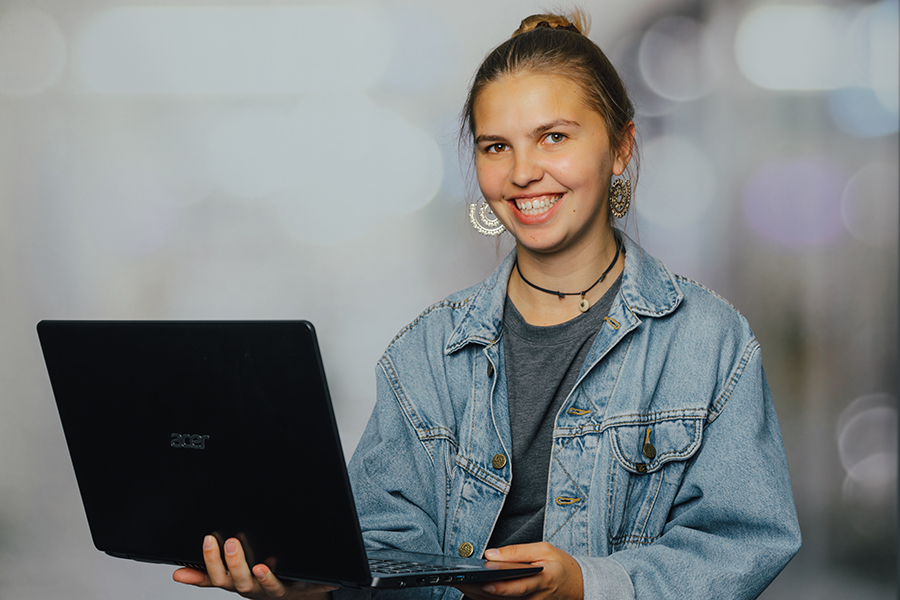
{"points": [[641, 452]]}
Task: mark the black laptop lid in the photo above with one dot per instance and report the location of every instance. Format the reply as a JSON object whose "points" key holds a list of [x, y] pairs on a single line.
{"points": [[181, 429]]}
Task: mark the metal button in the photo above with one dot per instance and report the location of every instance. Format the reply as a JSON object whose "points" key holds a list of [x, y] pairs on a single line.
{"points": [[490, 369], [466, 549], [649, 450], [641, 468], [499, 461]]}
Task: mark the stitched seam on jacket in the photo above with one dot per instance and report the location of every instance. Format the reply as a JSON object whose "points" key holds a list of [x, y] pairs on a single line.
{"points": [[634, 539], [675, 414], [718, 405], [663, 458], [577, 487], [482, 475], [405, 404], [649, 503], [444, 304], [690, 281]]}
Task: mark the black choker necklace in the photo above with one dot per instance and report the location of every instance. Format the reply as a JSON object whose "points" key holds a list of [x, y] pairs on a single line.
{"points": [[584, 305]]}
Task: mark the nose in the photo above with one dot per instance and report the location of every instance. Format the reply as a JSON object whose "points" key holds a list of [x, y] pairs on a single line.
{"points": [[525, 169]]}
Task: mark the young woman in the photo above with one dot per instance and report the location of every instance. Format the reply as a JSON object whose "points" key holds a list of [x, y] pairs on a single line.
{"points": [[582, 408]]}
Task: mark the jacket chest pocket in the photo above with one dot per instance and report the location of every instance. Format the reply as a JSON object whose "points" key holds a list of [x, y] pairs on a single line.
{"points": [[648, 463]]}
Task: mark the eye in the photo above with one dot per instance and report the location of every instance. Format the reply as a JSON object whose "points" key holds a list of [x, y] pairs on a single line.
{"points": [[495, 148], [555, 137]]}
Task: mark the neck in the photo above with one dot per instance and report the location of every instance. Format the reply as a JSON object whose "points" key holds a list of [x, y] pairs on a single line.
{"points": [[571, 273]]}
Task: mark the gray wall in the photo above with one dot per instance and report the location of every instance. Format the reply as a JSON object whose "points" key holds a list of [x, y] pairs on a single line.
{"points": [[300, 161]]}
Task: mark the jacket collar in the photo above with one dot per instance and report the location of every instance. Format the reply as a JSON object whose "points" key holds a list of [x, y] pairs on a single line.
{"points": [[648, 288]]}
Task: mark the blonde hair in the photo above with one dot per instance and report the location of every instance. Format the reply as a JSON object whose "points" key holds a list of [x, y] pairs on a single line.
{"points": [[578, 21]]}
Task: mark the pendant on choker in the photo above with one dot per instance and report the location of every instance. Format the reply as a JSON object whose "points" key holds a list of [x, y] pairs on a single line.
{"points": [[584, 305]]}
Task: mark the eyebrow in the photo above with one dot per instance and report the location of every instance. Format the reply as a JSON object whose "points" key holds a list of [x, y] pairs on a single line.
{"points": [[536, 132]]}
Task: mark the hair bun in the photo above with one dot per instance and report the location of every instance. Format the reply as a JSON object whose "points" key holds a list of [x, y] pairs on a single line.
{"points": [[575, 22]]}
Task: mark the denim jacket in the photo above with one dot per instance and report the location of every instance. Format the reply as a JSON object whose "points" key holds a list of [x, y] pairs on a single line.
{"points": [[668, 477]]}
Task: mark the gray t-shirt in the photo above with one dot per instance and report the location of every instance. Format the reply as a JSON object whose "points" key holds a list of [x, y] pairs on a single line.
{"points": [[542, 365]]}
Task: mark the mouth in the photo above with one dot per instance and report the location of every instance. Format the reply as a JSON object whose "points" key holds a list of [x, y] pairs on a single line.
{"points": [[537, 205]]}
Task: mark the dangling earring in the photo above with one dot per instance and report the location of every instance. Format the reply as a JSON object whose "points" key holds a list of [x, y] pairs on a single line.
{"points": [[486, 225], [620, 197]]}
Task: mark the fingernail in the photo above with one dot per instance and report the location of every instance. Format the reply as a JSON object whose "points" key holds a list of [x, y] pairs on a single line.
{"points": [[260, 573], [231, 547], [208, 542], [491, 553], [489, 588]]}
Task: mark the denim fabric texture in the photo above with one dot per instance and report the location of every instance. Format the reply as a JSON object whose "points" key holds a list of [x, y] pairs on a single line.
{"points": [[707, 513]]}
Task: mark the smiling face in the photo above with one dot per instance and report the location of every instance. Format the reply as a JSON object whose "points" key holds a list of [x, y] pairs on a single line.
{"points": [[544, 161]]}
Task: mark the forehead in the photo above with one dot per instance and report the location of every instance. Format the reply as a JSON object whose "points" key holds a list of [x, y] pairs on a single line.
{"points": [[529, 99]]}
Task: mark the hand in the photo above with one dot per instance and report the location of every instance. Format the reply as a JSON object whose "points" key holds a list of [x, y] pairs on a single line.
{"points": [[235, 575], [560, 579]]}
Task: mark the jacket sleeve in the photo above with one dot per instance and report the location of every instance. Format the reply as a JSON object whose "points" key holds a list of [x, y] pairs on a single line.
{"points": [[398, 474], [733, 526]]}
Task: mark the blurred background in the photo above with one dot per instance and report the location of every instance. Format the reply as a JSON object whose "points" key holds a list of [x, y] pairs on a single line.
{"points": [[229, 160]]}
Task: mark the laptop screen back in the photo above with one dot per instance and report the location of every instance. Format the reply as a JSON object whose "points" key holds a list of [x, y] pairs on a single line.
{"points": [[181, 429]]}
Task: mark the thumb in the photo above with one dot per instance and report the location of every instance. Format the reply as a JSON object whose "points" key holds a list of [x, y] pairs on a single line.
{"points": [[521, 553]]}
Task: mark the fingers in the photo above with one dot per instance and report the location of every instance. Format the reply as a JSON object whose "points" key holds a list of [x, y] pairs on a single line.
{"points": [[191, 577], [560, 578], [268, 581], [235, 575], [522, 553], [215, 569], [235, 561]]}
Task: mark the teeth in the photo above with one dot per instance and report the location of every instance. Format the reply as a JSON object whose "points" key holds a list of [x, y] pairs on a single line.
{"points": [[536, 206]]}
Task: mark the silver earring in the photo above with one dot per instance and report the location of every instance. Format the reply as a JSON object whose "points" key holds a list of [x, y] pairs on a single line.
{"points": [[620, 197], [481, 222]]}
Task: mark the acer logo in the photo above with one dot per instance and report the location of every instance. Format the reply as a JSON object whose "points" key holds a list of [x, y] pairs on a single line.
{"points": [[189, 440]]}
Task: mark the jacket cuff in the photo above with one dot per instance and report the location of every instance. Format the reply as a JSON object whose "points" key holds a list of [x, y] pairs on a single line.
{"points": [[605, 579]]}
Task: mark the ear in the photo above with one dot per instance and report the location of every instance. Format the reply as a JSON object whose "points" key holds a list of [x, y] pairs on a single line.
{"points": [[623, 152]]}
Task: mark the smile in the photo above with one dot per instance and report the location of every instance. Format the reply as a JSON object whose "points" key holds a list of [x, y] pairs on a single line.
{"points": [[538, 205]]}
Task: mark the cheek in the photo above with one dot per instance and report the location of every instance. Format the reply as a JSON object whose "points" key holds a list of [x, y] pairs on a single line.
{"points": [[490, 180], [574, 173]]}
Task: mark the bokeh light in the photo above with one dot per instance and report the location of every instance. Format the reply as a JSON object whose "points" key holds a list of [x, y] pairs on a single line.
{"points": [[678, 60], [860, 112], [647, 103], [867, 427], [796, 203], [793, 47], [867, 444], [266, 50], [870, 204], [32, 52], [354, 165]]}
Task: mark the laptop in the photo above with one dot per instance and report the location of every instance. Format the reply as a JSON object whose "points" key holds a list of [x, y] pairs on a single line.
{"points": [[177, 429]]}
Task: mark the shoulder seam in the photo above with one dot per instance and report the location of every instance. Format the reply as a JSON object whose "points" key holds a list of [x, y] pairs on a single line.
{"points": [[718, 405], [452, 304], [713, 293]]}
